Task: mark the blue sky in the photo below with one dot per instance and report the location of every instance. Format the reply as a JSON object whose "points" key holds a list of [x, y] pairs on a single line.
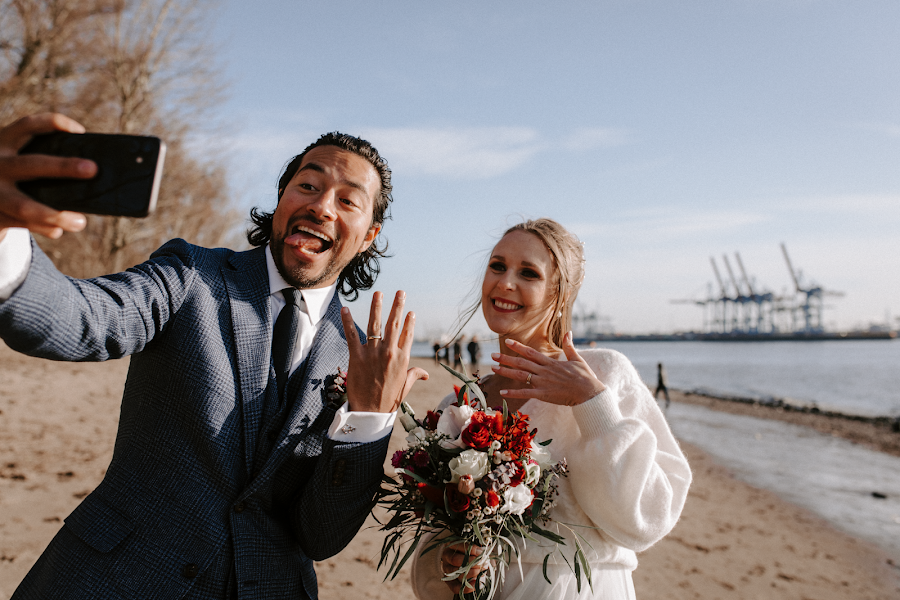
{"points": [[662, 133]]}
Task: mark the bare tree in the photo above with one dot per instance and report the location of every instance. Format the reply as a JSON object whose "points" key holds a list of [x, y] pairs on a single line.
{"points": [[130, 66]]}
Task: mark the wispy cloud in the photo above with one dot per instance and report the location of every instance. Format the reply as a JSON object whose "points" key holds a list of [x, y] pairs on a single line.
{"points": [[467, 153]]}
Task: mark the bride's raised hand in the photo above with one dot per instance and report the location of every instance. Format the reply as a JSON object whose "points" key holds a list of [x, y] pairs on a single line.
{"points": [[566, 382]]}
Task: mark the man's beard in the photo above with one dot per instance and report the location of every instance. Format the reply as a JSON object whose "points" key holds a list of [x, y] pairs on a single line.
{"points": [[296, 277]]}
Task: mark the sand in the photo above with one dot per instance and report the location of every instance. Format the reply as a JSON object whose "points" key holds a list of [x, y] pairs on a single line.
{"points": [[57, 428]]}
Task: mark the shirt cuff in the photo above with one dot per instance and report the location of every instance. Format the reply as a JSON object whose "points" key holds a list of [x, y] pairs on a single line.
{"points": [[360, 427], [15, 260], [598, 415]]}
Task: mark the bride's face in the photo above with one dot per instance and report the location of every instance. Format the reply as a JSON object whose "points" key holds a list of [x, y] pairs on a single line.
{"points": [[516, 296]]}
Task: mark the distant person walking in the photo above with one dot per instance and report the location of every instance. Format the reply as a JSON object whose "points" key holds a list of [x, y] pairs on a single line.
{"points": [[474, 349], [437, 352], [457, 353], [661, 383]]}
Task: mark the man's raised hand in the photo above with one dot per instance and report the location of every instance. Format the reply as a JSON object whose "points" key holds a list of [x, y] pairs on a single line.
{"points": [[379, 376], [16, 208]]}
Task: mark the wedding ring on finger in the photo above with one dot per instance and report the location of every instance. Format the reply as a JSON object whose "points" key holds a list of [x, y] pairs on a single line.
{"points": [[528, 379], [373, 337]]}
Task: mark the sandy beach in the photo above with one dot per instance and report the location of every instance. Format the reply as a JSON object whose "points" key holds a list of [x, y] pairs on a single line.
{"points": [[57, 429]]}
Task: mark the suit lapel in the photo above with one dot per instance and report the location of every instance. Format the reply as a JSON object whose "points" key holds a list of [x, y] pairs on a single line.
{"points": [[328, 354], [247, 280]]}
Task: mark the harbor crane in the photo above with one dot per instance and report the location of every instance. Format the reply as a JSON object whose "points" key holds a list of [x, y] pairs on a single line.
{"points": [[758, 312], [810, 305]]}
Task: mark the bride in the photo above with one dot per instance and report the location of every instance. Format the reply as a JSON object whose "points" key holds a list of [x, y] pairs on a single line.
{"points": [[628, 479]]}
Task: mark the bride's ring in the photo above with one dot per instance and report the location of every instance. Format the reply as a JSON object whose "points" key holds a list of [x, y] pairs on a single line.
{"points": [[373, 337], [528, 379]]}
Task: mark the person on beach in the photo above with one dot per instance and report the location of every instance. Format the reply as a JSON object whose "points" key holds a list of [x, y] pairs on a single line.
{"points": [[628, 479], [436, 348], [474, 349], [457, 353], [233, 469], [661, 384]]}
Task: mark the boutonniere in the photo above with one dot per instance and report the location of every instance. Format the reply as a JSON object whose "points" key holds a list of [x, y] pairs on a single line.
{"points": [[336, 389]]}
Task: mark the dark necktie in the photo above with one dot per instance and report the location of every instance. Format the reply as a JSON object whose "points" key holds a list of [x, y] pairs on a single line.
{"points": [[284, 338]]}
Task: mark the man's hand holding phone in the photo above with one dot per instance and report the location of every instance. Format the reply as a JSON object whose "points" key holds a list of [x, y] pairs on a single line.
{"points": [[16, 208]]}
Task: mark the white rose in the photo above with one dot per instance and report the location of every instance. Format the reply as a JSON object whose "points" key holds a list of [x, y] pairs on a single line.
{"points": [[541, 455], [451, 424], [416, 435], [407, 421], [532, 474], [516, 499], [469, 462]]}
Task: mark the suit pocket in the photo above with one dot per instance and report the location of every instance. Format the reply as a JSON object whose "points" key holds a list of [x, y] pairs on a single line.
{"points": [[98, 524]]}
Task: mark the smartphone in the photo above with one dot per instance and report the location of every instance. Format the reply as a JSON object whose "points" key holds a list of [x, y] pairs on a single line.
{"points": [[128, 175]]}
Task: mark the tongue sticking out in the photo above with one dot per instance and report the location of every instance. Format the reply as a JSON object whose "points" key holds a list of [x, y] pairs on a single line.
{"points": [[307, 242]]}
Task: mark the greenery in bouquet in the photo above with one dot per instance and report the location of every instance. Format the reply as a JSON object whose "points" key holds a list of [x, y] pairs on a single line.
{"points": [[473, 476]]}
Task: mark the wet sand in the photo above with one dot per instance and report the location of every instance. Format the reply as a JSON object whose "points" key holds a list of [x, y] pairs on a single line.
{"points": [[57, 429]]}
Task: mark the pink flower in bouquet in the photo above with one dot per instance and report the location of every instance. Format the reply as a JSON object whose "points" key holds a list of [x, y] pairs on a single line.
{"points": [[466, 485]]}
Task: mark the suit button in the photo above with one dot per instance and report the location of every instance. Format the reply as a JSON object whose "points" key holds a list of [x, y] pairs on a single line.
{"points": [[190, 570], [239, 507]]}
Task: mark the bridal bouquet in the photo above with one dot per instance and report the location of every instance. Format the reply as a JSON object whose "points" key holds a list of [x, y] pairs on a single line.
{"points": [[474, 476]]}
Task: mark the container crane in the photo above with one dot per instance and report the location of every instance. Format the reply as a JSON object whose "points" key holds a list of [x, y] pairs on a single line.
{"points": [[810, 305]]}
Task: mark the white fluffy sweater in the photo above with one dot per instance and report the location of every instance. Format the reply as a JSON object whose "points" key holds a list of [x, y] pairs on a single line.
{"points": [[628, 479]]}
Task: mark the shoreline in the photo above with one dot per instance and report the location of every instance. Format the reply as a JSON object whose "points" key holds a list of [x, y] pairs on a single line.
{"points": [[875, 433]]}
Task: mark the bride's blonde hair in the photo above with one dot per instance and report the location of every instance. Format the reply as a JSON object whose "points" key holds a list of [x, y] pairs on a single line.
{"points": [[568, 256]]}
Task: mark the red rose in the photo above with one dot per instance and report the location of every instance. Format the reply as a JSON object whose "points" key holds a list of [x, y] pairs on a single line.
{"points": [[491, 498], [431, 420], [397, 459], [432, 493], [457, 502], [483, 429]]}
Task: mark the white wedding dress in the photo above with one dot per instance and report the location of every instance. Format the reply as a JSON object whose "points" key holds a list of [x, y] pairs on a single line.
{"points": [[627, 483]]}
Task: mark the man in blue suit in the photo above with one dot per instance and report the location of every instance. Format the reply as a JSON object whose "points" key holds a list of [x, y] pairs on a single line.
{"points": [[230, 474]]}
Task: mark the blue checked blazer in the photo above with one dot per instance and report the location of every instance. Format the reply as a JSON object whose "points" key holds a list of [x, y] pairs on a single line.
{"points": [[187, 509]]}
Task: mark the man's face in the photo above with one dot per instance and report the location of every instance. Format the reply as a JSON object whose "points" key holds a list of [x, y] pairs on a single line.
{"points": [[324, 217]]}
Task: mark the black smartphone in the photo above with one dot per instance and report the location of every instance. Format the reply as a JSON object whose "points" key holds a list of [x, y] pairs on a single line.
{"points": [[129, 170]]}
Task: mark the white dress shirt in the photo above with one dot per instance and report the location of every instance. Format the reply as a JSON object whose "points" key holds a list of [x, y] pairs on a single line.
{"points": [[348, 426]]}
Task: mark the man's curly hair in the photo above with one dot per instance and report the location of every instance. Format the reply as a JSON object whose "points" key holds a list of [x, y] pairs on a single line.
{"points": [[361, 272]]}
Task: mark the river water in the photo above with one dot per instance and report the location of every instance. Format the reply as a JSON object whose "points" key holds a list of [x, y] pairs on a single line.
{"points": [[852, 377]]}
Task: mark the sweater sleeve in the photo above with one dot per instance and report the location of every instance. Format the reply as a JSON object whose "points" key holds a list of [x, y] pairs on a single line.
{"points": [[628, 474]]}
